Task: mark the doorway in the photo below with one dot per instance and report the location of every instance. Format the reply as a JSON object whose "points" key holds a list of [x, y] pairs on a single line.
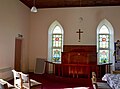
{"points": [[18, 49]]}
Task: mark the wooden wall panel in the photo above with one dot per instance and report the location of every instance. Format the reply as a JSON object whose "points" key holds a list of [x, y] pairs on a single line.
{"points": [[79, 48]]}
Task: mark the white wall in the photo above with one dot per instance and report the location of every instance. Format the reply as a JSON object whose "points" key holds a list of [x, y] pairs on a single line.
{"points": [[14, 19], [69, 19]]}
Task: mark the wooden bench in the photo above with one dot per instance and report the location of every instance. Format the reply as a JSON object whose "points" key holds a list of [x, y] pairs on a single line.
{"points": [[5, 85], [28, 83], [22, 81]]}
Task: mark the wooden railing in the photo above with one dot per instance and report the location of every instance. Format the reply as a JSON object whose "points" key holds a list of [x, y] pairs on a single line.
{"points": [[70, 70], [50, 67], [76, 70]]}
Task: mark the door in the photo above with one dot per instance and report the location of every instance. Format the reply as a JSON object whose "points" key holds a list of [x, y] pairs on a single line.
{"points": [[18, 46]]}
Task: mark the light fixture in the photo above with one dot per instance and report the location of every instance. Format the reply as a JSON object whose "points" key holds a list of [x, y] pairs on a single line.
{"points": [[33, 9]]}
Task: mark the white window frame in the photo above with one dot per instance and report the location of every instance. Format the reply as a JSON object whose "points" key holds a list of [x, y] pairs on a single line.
{"points": [[110, 27], [50, 32]]}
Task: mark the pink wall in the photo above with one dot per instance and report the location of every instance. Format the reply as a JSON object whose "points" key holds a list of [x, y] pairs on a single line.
{"points": [[14, 19], [69, 19]]}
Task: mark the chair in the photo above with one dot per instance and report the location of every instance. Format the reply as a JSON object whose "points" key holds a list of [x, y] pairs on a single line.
{"points": [[28, 83], [5, 85], [17, 79]]}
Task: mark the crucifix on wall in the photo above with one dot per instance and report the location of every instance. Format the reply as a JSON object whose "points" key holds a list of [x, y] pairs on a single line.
{"points": [[79, 32]]}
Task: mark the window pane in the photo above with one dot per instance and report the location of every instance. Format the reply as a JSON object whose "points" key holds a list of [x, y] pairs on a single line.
{"points": [[57, 30], [57, 43], [103, 56], [103, 44], [56, 55], [104, 41], [57, 40], [104, 30]]}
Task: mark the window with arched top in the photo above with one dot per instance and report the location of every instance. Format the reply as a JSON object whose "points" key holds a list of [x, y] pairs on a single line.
{"points": [[105, 43], [55, 42]]}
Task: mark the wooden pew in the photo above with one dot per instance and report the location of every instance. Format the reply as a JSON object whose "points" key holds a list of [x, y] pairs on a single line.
{"points": [[5, 85], [22, 81]]}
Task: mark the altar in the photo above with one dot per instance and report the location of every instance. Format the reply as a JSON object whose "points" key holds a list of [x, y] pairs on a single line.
{"points": [[78, 61]]}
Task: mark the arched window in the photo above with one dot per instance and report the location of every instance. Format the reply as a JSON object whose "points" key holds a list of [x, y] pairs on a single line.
{"points": [[105, 42], [55, 42], [104, 45]]}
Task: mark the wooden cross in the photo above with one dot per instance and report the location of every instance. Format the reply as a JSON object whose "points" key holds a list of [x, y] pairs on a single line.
{"points": [[79, 34]]}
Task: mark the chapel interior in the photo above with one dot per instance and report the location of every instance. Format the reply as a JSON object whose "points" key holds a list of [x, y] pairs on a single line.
{"points": [[89, 37]]}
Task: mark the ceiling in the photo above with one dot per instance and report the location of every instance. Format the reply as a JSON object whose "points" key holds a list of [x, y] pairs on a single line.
{"points": [[69, 3]]}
